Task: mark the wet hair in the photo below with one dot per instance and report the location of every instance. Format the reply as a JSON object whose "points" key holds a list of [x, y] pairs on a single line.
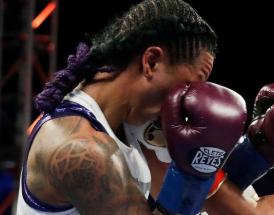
{"points": [[173, 24]]}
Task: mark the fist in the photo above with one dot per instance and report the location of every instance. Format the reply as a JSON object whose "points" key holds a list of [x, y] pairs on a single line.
{"points": [[261, 130], [264, 100]]}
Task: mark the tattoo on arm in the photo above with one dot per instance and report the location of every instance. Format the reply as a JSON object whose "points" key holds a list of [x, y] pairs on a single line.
{"points": [[93, 175]]}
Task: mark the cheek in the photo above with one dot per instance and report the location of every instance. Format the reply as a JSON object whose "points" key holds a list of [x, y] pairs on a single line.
{"points": [[198, 77], [183, 76]]}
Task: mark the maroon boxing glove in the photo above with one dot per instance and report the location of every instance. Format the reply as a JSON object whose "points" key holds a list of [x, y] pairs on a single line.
{"points": [[261, 130], [202, 122], [263, 101]]}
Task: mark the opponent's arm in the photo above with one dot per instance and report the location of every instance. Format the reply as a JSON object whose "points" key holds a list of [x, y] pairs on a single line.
{"points": [[91, 173], [265, 205], [228, 200], [252, 158]]}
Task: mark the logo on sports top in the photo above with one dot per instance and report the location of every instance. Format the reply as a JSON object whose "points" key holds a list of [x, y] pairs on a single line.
{"points": [[208, 159], [153, 134]]}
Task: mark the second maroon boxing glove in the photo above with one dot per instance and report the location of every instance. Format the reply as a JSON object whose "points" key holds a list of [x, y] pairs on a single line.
{"points": [[254, 155]]}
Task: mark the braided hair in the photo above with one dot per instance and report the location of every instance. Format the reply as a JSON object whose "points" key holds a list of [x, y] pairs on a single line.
{"points": [[172, 23]]}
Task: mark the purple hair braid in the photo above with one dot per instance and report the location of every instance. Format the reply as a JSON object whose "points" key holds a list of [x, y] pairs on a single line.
{"points": [[64, 80]]}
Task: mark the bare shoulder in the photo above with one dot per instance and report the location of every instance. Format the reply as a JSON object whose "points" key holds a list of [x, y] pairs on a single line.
{"points": [[91, 172]]}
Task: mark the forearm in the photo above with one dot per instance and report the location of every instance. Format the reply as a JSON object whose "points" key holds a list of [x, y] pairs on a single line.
{"points": [[229, 201], [265, 205]]}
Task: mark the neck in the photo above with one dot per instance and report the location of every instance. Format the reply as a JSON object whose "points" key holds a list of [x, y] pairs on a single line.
{"points": [[112, 95]]}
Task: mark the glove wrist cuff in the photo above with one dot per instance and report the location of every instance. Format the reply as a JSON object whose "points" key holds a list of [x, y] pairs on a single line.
{"points": [[219, 179]]}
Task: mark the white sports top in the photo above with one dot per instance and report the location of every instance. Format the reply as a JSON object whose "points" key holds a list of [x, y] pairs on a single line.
{"points": [[132, 152]]}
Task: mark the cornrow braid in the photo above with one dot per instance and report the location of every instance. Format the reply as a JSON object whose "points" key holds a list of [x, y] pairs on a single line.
{"points": [[155, 22]]}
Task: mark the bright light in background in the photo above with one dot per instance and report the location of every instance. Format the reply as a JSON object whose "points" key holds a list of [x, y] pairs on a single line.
{"points": [[38, 20]]}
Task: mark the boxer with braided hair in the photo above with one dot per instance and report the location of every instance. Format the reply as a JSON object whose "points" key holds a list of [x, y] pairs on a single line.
{"points": [[75, 164], [173, 24]]}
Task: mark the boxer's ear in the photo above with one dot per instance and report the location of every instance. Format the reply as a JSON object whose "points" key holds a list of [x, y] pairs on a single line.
{"points": [[150, 59]]}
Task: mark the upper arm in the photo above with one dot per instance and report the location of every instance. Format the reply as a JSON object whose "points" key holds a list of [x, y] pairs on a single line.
{"points": [[92, 174]]}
